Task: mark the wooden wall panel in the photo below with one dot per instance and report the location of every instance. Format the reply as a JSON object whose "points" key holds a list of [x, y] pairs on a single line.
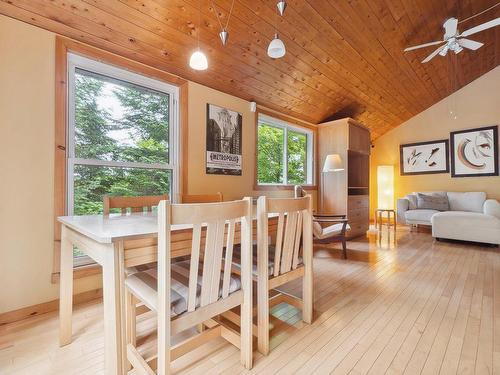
{"points": [[344, 58]]}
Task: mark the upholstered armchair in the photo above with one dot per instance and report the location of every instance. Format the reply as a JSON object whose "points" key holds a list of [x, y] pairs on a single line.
{"points": [[328, 228]]}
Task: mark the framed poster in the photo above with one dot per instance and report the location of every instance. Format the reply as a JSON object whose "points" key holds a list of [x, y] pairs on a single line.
{"points": [[424, 157], [224, 143], [474, 152]]}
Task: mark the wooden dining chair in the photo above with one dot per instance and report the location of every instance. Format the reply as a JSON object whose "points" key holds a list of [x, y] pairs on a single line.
{"points": [[186, 294], [201, 198], [289, 257], [135, 204]]}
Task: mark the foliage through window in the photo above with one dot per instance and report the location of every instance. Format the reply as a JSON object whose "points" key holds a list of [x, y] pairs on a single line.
{"points": [[284, 153], [121, 135]]}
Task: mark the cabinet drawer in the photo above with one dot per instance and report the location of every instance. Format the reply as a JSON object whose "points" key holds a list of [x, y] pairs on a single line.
{"points": [[357, 214], [355, 202]]}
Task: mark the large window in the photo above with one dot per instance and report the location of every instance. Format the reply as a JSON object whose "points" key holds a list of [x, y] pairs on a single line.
{"points": [[122, 138], [284, 153]]}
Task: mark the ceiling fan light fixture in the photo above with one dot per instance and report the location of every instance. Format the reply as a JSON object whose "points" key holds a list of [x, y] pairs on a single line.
{"points": [[198, 61], [276, 48]]}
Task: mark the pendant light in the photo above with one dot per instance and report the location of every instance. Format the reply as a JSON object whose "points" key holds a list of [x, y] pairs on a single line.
{"points": [[198, 60], [281, 5], [276, 48], [224, 34]]}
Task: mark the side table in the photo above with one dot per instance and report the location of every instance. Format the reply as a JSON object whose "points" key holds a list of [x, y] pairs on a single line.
{"points": [[391, 219]]}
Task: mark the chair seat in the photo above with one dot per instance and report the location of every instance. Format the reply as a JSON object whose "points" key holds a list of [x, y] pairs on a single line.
{"points": [[330, 231], [270, 263], [144, 285]]}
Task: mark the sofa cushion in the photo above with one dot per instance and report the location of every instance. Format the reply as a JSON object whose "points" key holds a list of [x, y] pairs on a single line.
{"points": [[470, 201], [492, 207], [432, 202], [422, 216], [466, 226]]}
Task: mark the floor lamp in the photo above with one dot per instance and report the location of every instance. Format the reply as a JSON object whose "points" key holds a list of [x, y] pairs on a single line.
{"points": [[333, 163]]}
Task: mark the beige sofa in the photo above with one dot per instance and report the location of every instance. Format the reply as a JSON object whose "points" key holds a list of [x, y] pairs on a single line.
{"points": [[469, 217]]}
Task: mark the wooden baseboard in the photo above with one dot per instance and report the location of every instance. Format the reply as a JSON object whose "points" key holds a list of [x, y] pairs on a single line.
{"points": [[45, 307]]}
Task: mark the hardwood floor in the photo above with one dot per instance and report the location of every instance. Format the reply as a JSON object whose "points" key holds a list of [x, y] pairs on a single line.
{"points": [[405, 306]]}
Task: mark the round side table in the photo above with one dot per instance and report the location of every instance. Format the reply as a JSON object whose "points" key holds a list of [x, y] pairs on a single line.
{"points": [[391, 219]]}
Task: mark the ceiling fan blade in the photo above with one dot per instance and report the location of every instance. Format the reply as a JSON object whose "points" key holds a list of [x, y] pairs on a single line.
{"points": [[433, 54], [450, 27], [484, 26], [470, 44], [423, 45]]}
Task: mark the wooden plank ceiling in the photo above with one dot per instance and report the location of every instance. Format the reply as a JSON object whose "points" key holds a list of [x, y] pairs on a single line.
{"points": [[344, 57]]}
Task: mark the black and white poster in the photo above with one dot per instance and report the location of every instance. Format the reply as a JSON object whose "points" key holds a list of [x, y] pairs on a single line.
{"points": [[224, 141]]}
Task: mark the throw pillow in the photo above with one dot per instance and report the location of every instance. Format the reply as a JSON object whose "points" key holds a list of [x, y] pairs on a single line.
{"points": [[412, 201], [432, 202]]}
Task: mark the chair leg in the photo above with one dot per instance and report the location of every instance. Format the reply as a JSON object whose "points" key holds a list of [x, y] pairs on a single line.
{"points": [[263, 317], [307, 295], [344, 249], [130, 322]]}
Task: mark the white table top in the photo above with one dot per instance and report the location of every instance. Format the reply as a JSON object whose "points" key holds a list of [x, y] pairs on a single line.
{"points": [[117, 227]]}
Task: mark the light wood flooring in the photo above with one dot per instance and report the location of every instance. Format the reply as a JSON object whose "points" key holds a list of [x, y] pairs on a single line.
{"points": [[404, 306]]}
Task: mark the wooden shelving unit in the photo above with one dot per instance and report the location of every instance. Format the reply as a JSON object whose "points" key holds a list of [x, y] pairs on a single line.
{"points": [[346, 192]]}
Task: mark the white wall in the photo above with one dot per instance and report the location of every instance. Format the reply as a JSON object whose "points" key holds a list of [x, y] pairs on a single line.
{"points": [[27, 56]]}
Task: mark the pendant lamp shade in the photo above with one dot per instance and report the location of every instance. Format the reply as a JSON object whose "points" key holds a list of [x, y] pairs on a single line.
{"points": [[198, 61], [281, 5], [276, 48], [333, 163], [223, 35]]}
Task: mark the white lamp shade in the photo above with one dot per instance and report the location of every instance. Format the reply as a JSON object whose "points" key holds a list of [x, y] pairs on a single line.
{"points": [[385, 187], [198, 61], [333, 163], [276, 48]]}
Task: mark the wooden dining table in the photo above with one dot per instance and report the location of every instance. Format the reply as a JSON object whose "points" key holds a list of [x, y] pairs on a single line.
{"points": [[116, 242]]}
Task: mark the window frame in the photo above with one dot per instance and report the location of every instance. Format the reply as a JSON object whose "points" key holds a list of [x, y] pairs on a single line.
{"points": [[286, 125], [64, 46], [75, 61]]}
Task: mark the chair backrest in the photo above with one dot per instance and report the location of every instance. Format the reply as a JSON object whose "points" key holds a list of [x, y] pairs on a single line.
{"points": [[201, 198], [214, 227], [294, 231], [299, 191], [136, 204]]}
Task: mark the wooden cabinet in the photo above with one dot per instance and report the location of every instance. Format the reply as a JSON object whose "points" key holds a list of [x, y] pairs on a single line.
{"points": [[346, 192]]}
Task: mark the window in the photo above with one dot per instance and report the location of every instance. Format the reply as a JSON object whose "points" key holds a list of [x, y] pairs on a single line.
{"points": [[122, 136], [284, 153]]}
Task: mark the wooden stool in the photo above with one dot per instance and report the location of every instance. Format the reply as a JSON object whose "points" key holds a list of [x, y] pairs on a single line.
{"points": [[379, 213]]}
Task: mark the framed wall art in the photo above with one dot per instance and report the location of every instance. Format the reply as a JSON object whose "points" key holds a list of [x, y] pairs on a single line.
{"points": [[474, 152], [424, 157], [224, 141]]}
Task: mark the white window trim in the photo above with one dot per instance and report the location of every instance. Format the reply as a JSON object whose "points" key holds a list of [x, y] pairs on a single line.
{"points": [[271, 121], [77, 61]]}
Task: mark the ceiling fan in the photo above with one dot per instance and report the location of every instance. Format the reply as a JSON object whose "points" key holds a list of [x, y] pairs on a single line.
{"points": [[454, 40]]}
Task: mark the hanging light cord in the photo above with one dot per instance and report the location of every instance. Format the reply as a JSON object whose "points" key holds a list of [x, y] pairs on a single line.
{"points": [[199, 23], [478, 14], [217, 15]]}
